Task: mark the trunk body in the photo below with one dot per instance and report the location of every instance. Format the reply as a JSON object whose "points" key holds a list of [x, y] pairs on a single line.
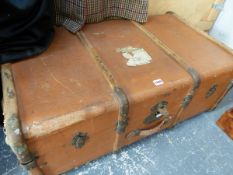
{"points": [[113, 84]]}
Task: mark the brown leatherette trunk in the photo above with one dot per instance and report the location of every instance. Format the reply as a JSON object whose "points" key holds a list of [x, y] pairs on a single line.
{"points": [[70, 94], [112, 84]]}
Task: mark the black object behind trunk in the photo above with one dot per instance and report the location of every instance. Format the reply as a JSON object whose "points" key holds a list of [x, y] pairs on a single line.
{"points": [[26, 29]]}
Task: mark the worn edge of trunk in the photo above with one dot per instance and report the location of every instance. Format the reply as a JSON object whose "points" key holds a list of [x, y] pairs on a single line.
{"points": [[229, 87], [12, 125]]}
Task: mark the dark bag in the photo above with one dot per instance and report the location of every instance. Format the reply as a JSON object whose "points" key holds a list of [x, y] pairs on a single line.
{"points": [[26, 28]]}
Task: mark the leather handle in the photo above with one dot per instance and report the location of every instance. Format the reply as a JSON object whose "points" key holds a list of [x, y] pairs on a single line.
{"points": [[148, 132]]}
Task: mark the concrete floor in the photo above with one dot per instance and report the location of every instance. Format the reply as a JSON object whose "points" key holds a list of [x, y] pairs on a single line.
{"points": [[194, 147]]}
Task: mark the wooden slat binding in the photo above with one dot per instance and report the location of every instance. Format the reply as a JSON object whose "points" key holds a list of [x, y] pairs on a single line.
{"points": [[14, 135], [118, 92], [180, 61]]}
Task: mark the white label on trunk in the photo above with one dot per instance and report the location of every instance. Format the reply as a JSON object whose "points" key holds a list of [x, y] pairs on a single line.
{"points": [[158, 82], [135, 56]]}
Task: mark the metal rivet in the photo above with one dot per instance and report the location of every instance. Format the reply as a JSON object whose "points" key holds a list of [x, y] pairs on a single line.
{"points": [[79, 140]]}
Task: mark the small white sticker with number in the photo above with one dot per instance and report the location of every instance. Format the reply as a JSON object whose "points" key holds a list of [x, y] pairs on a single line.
{"points": [[158, 82]]}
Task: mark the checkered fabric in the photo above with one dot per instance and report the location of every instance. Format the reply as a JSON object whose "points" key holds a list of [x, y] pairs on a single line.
{"points": [[72, 14]]}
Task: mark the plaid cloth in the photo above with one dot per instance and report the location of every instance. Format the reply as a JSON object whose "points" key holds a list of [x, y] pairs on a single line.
{"points": [[73, 14]]}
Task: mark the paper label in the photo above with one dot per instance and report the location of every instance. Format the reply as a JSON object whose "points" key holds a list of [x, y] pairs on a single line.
{"points": [[158, 82], [135, 56]]}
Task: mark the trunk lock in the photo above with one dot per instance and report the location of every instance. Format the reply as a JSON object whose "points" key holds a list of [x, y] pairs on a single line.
{"points": [[157, 112]]}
